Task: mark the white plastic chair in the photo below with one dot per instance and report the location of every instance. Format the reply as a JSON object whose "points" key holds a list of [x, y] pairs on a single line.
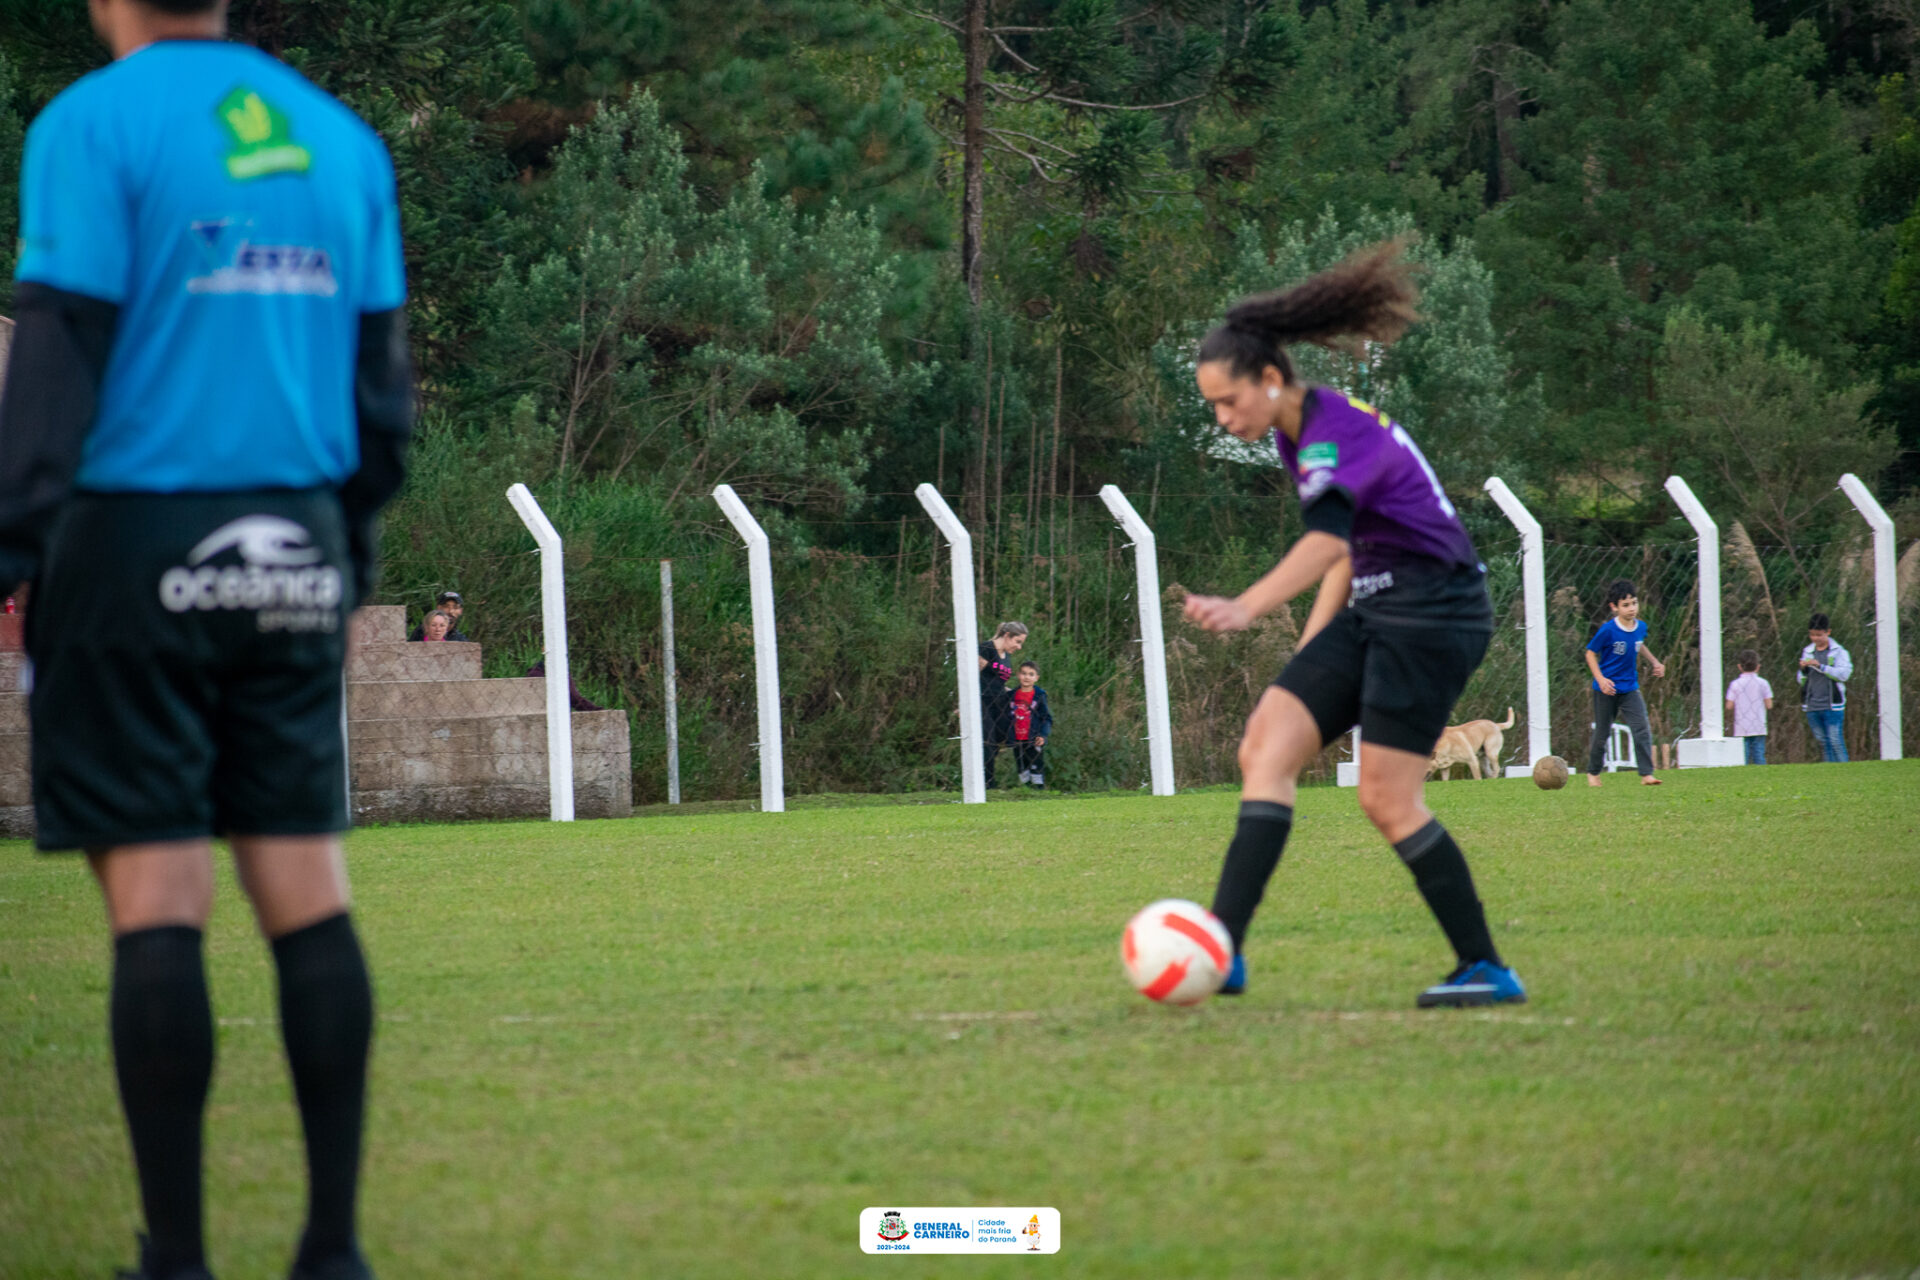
{"points": [[1619, 754]]}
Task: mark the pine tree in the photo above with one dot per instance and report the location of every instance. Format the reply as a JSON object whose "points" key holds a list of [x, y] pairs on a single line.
{"points": [[1679, 154], [680, 347]]}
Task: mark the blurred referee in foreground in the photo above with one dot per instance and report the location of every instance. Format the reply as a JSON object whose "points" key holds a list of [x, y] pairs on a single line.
{"points": [[208, 401]]}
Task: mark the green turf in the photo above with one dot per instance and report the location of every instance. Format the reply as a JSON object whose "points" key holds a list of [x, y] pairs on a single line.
{"points": [[699, 1045]]}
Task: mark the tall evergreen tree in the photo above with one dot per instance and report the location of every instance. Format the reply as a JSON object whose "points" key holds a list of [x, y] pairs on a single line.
{"points": [[679, 347], [1679, 154], [748, 83]]}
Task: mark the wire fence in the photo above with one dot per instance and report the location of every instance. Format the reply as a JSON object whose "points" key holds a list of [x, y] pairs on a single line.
{"points": [[866, 656]]}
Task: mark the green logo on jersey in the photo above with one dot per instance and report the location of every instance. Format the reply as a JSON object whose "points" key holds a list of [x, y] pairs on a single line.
{"points": [[261, 145], [1323, 454]]}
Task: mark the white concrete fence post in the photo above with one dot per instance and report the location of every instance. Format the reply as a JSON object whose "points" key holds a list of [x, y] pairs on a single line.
{"points": [[766, 655], [553, 625], [1712, 749], [1886, 612], [1533, 585], [966, 643], [1153, 640], [672, 690]]}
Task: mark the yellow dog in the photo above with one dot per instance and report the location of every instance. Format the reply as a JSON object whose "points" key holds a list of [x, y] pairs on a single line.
{"points": [[1467, 743]]}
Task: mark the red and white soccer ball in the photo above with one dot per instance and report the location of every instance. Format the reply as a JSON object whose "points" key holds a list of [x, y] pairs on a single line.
{"points": [[1176, 952]]}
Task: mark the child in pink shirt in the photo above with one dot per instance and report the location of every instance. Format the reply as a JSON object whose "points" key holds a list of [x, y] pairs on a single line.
{"points": [[1749, 698]]}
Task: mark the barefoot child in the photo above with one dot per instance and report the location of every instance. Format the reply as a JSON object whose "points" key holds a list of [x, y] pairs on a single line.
{"points": [[1613, 655]]}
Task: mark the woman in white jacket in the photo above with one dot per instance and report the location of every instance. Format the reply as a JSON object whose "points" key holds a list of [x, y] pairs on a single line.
{"points": [[1825, 668]]}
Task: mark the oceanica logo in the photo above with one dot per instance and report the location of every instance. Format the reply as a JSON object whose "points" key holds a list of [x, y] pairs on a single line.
{"points": [[282, 580]]}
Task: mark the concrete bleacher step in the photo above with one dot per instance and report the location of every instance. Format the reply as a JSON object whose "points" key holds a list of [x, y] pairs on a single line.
{"points": [[611, 798], [378, 624], [477, 751], [417, 699], [399, 660]]}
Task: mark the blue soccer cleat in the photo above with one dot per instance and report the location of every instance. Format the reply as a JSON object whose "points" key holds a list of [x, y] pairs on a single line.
{"points": [[1236, 981], [1475, 983]]}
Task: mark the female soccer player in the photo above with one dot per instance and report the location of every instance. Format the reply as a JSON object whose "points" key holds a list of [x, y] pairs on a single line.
{"points": [[1401, 620]]}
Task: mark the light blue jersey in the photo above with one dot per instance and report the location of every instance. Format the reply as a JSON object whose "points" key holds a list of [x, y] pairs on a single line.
{"points": [[243, 220]]}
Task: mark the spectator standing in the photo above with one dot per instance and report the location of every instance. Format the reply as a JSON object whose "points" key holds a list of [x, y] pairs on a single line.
{"points": [[449, 604], [996, 668], [1613, 655], [1825, 668], [438, 626], [1032, 722], [1749, 698]]}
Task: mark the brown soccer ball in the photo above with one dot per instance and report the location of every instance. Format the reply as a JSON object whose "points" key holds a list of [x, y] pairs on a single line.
{"points": [[1550, 773]]}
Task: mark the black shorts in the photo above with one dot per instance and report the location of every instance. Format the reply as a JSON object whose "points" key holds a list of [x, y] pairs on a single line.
{"points": [[1396, 678], [188, 659]]}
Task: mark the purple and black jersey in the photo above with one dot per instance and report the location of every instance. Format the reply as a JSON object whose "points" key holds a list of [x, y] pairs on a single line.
{"points": [[1405, 532]]}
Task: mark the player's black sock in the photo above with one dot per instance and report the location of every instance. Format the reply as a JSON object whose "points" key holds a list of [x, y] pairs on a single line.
{"points": [[1440, 870], [1257, 841], [326, 1018], [162, 1026]]}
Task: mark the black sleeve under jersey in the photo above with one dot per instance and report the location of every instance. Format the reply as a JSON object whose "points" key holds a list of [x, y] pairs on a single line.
{"points": [[1330, 512], [383, 404], [61, 342]]}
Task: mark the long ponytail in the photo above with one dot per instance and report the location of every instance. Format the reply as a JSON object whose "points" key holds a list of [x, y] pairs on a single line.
{"points": [[1369, 296]]}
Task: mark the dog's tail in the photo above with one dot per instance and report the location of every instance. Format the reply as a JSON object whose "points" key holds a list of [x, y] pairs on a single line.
{"points": [[1509, 722]]}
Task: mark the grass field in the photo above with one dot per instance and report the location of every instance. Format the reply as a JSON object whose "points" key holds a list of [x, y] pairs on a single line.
{"points": [[698, 1045]]}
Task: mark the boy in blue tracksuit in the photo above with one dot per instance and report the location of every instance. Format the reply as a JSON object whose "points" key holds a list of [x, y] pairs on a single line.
{"points": [[1613, 655], [1030, 722]]}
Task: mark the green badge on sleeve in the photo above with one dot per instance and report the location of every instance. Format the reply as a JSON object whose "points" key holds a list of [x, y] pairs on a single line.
{"points": [[1324, 453], [262, 144]]}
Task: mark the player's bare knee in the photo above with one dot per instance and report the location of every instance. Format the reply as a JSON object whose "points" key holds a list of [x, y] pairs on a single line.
{"points": [[1386, 806]]}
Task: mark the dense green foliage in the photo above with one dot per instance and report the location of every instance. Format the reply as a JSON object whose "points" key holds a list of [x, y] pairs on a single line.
{"points": [[698, 1045], [654, 246]]}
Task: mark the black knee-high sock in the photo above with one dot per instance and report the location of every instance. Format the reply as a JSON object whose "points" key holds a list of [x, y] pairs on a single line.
{"points": [[1257, 842], [162, 1026], [326, 1018], [1440, 870]]}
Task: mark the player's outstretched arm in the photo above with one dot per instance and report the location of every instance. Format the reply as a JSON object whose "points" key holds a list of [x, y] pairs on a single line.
{"points": [[61, 341], [1304, 565]]}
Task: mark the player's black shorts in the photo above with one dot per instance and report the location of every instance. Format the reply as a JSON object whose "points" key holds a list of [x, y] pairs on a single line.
{"points": [[1394, 671], [188, 668]]}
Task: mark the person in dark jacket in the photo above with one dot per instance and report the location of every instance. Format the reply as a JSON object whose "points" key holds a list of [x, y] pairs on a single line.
{"points": [[1030, 721], [996, 668]]}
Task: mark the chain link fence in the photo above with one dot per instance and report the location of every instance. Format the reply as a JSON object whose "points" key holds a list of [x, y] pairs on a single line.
{"points": [[866, 656]]}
